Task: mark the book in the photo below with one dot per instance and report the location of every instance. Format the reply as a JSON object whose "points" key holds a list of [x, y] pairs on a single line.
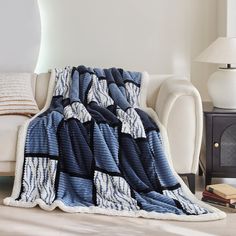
{"points": [[215, 202], [223, 206], [232, 205], [213, 196], [223, 190]]}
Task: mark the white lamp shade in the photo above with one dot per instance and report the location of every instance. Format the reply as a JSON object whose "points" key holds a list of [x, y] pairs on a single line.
{"points": [[221, 51]]}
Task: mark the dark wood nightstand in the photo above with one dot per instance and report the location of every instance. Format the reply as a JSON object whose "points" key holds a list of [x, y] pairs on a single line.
{"points": [[218, 157]]}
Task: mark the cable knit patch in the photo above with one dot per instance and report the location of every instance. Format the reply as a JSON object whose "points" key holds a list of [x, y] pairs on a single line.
{"points": [[131, 123]]}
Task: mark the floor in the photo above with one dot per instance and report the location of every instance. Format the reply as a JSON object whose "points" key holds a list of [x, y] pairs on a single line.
{"points": [[18, 221]]}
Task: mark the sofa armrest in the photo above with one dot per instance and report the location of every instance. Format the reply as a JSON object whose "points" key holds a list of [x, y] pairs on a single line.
{"points": [[41, 91], [179, 109]]}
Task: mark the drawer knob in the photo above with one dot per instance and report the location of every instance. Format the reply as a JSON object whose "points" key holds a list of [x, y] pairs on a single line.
{"points": [[216, 145]]}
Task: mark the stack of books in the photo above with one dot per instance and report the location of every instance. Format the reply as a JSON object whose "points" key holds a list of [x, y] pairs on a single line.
{"points": [[223, 195]]}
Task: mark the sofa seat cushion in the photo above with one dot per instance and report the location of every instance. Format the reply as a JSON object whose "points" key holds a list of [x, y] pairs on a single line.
{"points": [[9, 125]]}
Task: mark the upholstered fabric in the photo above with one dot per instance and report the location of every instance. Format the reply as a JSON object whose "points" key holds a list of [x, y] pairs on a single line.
{"points": [[9, 126], [16, 94], [41, 89], [179, 108], [150, 88], [7, 168]]}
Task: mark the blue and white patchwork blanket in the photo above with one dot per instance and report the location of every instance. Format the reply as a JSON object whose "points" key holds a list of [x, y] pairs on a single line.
{"points": [[94, 150]]}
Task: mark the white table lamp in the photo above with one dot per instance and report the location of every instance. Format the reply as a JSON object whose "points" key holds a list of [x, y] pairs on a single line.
{"points": [[222, 83]]}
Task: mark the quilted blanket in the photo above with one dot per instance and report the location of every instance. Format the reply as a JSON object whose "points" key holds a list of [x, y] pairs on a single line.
{"points": [[95, 150]]}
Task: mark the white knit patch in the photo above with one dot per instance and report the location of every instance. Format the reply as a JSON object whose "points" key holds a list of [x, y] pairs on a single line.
{"points": [[132, 94], [63, 82], [78, 111], [113, 192], [187, 205], [131, 123], [99, 93], [39, 180]]}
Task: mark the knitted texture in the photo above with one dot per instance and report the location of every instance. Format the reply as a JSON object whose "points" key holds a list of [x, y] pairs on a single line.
{"points": [[16, 96], [94, 150]]}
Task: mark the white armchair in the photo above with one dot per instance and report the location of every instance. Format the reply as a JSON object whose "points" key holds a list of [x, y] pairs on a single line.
{"points": [[177, 103]]}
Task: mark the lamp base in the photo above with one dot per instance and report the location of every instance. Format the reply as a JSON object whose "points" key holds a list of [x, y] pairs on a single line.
{"points": [[222, 88]]}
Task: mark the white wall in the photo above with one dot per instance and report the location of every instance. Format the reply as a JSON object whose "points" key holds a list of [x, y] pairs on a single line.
{"points": [[138, 35], [19, 35], [231, 18], [160, 36], [222, 17], [204, 30]]}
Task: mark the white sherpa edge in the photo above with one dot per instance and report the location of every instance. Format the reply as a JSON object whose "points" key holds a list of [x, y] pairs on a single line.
{"points": [[10, 201]]}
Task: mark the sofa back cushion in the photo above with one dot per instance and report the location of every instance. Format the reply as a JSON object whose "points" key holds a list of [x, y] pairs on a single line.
{"points": [[17, 94]]}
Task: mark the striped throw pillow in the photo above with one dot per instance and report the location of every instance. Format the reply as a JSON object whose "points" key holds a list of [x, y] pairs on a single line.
{"points": [[16, 94]]}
